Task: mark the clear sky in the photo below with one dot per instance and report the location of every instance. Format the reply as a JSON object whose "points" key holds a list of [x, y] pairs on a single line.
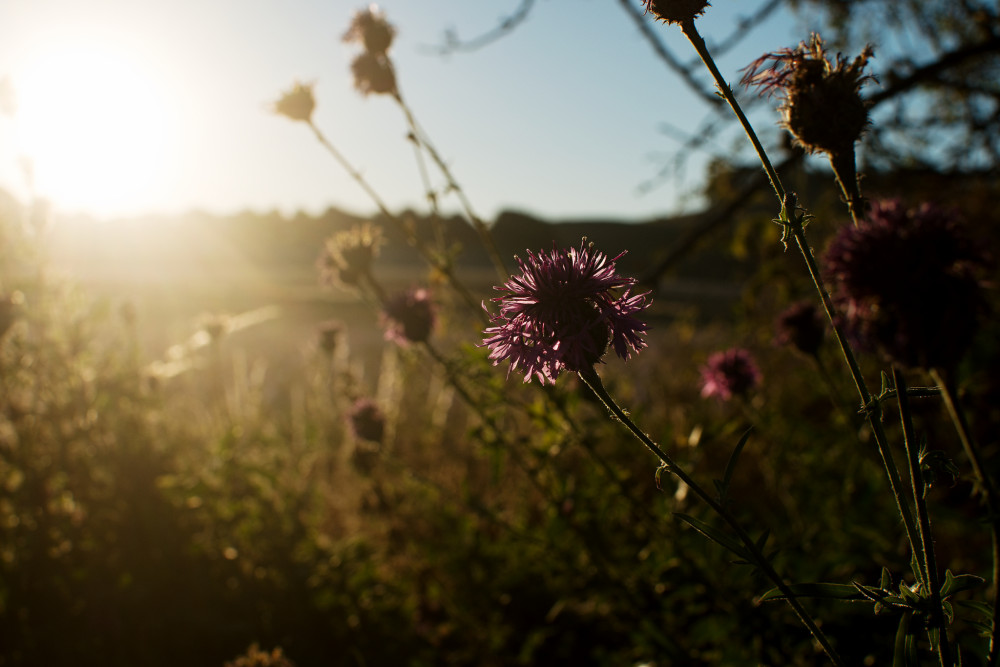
{"points": [[128, 107]]}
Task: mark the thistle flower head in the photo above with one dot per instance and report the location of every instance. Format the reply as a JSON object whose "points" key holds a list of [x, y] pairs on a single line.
{"points": [[347, 256], [409, 317], [801, 325], [370, 29], [563, 312], [821, 98], [373, 74], [729, 373], [297, 103], [367, 420], [675, 11], [906, 282]]}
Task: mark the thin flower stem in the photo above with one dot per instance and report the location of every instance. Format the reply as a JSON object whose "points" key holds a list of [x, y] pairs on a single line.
{"points": [[846, 173], [593, 381], [604, 564], [422, 141], [691, 32], [428, 256], [950, 394], [931, 576]]}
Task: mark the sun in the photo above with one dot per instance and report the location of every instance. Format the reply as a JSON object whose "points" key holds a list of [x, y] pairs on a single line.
{"points": [[96, 127]]}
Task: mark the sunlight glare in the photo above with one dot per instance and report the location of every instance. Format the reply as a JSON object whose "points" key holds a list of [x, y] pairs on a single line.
{"points": [[96, 127]]}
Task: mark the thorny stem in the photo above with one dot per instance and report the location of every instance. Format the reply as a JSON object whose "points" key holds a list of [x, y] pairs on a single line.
{"points": [[930, 573], [593, 381], [440, 266], [795, 224], [950, 394]]}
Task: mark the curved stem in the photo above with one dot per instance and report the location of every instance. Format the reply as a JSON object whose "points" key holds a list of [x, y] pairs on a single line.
{"points": [[593, 381], [950, 394]]}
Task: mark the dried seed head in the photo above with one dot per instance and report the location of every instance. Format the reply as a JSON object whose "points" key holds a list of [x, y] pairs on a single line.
{"points": [[347, 256], [676, 11], [297, 103], [369, 28], [373, 74], [821, 98]]}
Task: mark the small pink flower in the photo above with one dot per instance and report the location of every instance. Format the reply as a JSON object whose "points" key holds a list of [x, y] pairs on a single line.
{"points": [[728, 374], [409, 317]]}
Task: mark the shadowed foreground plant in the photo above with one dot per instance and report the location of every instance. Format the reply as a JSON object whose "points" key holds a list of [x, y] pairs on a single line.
{"points": [[561, 314]]}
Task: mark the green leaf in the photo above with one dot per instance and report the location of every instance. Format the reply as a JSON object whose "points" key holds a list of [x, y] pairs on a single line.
{"points": [[727, 476], [815, 590], [659, 471], [714, 534], [956, 584], [983, 608], [899, 648], [886, 582]]}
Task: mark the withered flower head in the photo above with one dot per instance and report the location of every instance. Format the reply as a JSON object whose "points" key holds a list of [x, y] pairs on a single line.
{"points": [[409, 317], [728, 374], [348, 255], [563, 312], [297, 103], [907, 282], [676, 11], [373, 74], [802, 326], [821, 101], [369, 28]]}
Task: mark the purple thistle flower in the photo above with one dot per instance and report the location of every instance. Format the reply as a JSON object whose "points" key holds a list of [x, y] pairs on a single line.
{"points": [[409, 317], [728, 374], [561, 313], [906, 282]]}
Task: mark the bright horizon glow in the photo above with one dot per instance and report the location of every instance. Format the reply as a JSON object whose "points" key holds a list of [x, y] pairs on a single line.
{"points": [[129, 108], [93, 125]]}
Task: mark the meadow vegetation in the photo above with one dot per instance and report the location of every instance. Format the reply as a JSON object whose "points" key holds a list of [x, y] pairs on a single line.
{"points": [[350, 479]]}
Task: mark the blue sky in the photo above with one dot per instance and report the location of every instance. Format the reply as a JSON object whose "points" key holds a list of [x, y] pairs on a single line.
{"points": [[559, 119]]}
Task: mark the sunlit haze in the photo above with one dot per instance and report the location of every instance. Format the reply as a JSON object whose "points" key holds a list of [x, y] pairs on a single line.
{"points": [[129, 108]]}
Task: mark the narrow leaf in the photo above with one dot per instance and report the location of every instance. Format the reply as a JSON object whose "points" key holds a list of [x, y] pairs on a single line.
{"points": [[727, 477], [714, 534], [956, 584], [815, 590]]}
